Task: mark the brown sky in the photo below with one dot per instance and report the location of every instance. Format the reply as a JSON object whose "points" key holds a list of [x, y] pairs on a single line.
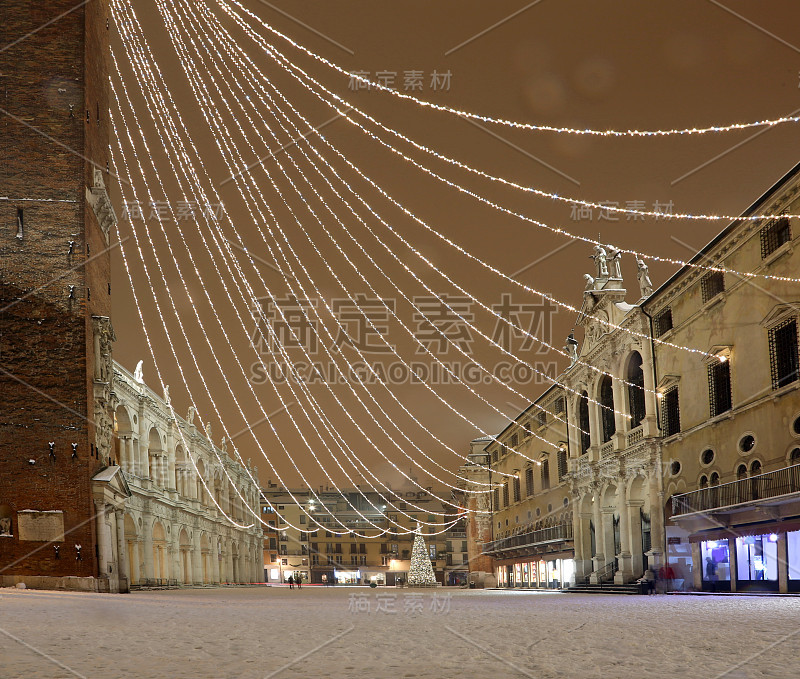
{"points": [[615, 64]]}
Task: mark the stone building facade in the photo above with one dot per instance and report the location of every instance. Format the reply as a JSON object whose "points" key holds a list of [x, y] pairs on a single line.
{"points": [[730, 413], [682, 435]]}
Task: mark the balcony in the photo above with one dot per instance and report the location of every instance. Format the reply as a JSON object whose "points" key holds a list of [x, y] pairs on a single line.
{"points": [[532, 539], [767, 488]]}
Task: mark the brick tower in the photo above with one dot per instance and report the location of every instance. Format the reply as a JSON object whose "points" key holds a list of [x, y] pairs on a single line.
{"points": [[56, 227]]}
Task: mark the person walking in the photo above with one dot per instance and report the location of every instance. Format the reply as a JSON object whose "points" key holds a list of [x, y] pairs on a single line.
{"points": [[290, 580], [298, 579]]}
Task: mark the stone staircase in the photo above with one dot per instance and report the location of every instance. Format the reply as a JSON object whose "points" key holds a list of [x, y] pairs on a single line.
{"points": [[605, 588]]}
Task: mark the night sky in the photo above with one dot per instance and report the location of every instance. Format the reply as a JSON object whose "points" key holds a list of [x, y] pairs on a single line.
{"points": [[619, 64]]}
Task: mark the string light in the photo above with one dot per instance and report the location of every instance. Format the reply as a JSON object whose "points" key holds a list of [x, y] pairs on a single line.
{"points": [[500, 121], [289, 67]]}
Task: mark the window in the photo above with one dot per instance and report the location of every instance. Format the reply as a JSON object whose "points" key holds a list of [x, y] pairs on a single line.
{"points": [[432, 551], [707, 456], [302, 518], [362, 560], [496, 499], [529, 481], [514, 440], [315, 560], [719, 387], [494, 456], [796, 426], [583, 422], [353, 548], [741, 472], [636, 389], [541, 418], [662, 322], [774, 234], [562, 463], [703, 481], [794, 458], [545, 474], [362, 548], [517, 493], [607, 409], [675, 468], [670, 412], [712, 284], [747, 443], [714, 479], [505, 494], [783, 353], [338, 547], [559, 405]]}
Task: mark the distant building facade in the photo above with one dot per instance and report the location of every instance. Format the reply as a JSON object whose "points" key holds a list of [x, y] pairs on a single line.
{"points": [[323, 549]]}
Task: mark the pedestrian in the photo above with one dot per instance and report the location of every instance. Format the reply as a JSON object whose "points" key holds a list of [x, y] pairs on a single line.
{"points": [[298, 579], [324, 580], [650, 577], [667, 577], [290, 580], [711, 573]]}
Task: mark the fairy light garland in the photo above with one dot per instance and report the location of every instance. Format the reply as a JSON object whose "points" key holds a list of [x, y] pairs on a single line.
{"points": [[770, 122], [356, 269], [450, 515], [328, 528]]}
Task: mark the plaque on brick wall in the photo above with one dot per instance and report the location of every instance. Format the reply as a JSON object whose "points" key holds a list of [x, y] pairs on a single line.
{"points": [[41, 526]]}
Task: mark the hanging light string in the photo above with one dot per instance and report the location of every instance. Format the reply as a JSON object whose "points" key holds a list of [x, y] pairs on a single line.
{"points": [[244, 69], [275, 54], [493, 269], [328, 528], [194, 69], [300, 75], [225, 5], [251, 125]]}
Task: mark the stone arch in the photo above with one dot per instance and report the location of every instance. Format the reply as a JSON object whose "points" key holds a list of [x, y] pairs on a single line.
{"points": [[160, 570], [156, 459], [134, 544], [634, 375], [124, 439], [185, 549]]}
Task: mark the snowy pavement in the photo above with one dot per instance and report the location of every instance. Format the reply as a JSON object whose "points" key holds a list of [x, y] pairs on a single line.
{"points": [[386, 633]]}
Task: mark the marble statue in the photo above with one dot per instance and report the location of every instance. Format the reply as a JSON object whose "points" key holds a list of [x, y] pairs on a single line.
{"points": [[600, 259], [643, 274], [589, 281], [614, 258], [224, 445], [571, 347], [138, 374], [208, 432], [190, 416], [166, 395]]}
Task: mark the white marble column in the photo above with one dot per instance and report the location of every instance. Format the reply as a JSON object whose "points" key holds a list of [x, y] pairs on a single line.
{"points": [[625, 571], [197, 564], [103, 540], [122, 552], [147, 547], [215, 559]]}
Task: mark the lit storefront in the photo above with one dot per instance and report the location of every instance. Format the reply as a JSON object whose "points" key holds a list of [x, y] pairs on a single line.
{"points": [[546, 573]]}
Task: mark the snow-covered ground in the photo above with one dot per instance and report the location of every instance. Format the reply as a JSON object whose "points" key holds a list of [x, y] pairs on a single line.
{"points": [[387, 633]]}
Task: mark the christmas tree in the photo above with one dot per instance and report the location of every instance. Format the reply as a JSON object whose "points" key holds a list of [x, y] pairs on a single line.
{"points": [[420, 574]]}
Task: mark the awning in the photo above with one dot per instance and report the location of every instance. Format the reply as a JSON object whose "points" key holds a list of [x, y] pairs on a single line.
{"points": [[746, 529]]}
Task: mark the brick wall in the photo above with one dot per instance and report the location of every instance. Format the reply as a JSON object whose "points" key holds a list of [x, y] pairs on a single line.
{"points": [[46, 338]]}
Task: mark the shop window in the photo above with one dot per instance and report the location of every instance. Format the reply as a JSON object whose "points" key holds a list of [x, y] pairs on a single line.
{"points": [[793, 554], [774, 234], [757, 557], [716, 562], [670, 412], [529, 481], [635, 385], [583, 422], [719, 387], [783, 353], [607, 408], [662, 322], [712, 284]]}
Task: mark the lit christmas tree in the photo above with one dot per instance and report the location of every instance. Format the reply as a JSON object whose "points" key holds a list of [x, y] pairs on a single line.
{"points": [[420, 574]]}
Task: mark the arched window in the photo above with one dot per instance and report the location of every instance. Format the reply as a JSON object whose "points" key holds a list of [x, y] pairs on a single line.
{"points": [[794, 458], [635, 379], [755, 468], [607, 409], [741, 472], [703, 481], [583, 422], [714, 479]]}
